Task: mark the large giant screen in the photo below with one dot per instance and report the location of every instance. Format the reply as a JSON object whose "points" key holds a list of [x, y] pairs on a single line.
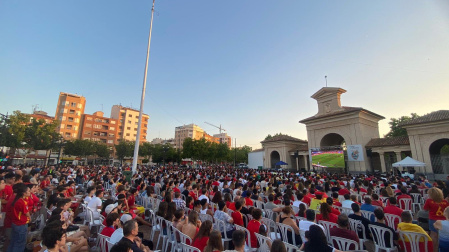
{"points": [[328, 158]]}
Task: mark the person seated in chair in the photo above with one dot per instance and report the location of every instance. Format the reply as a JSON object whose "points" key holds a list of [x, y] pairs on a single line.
{"points": [[343, 230]]}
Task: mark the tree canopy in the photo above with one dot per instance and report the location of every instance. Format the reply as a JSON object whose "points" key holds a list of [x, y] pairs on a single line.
{"points": [[275, 135], [395, 128]]}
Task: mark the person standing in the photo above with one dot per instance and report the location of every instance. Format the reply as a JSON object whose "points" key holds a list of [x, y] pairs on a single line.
{"points": [[20, 219], [443, 227], [435, 205]]}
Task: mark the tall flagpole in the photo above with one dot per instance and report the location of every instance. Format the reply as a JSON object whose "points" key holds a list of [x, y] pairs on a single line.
{"points": [[142, 98]]}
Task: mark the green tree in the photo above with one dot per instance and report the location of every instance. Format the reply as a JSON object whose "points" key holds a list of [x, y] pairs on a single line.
{"points": [[145, 150], [102, 150], [395, 128], [124, 149], [275, 135], [80, 148], [40, 135]]}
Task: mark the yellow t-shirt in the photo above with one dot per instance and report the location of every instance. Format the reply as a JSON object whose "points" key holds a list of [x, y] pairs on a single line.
{"points": [[410, 227]]}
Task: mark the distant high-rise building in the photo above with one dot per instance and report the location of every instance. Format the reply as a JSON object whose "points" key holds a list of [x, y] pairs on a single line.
{"points": [[224, 138], [128, 120], [68, 112], [187, 131], [96, 127]]}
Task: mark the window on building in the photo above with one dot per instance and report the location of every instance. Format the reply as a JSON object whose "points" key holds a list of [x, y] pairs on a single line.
{"points": [[110, 141], [77, 120], [70, 119], [135, 128], [89, 125], [145, 125], [136, 123], [79, 105], [121, 127], [104, 127], [112, 135], [128, 128], [120, 133], [69, 127], [62, 126], [112, 122], [95, 133], [89, 118], [72, 111], [130, 115], [137, 117], [144, 131], [73, 104], [68, 135], [135, 135], [127, 134], [112, 128], [97, 126], [129, 121], [87, 132]]}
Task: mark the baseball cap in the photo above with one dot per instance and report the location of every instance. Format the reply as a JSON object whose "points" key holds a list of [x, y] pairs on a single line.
{"points": [[125, 218], [110, 207]]}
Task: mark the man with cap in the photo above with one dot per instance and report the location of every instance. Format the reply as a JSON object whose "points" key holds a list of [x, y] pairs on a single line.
{"points": [[118, 233]]}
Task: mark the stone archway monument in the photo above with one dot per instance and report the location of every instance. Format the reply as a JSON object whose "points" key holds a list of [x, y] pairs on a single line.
{"points": [[349, 127]]}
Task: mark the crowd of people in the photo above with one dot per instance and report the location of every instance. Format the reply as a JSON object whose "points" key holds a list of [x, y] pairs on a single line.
{"points": [[215, 208]]}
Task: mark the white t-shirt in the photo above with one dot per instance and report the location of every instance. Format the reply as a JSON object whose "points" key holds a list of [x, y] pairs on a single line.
{"points": [[305, 225], [116, 236], [94, 203], [296, 203], [87, 199], [203, 197]]}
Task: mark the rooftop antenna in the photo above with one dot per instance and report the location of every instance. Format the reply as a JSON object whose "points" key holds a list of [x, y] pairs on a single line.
{"points": [[325, 77]]}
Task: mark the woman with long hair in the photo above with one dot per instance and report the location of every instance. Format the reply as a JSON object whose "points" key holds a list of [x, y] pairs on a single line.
{"points": [[326, 214], [20, 218], [162, 210], [191, 228], [435, 204], [217, 197], [317, 241], [171, 211], [286, 217], [214, 244], [302, 210], [202, 237]]}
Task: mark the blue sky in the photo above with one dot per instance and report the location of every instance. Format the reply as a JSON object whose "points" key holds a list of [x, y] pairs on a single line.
{"points": [[248, 65]]}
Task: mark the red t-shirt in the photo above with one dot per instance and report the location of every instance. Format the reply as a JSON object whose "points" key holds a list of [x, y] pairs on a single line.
{"points": [[131, 201], [394, 210], [377, 203], [232, 206], [193, 195], [238, 218], [332, 218], [435, 209], [253, 227], [336, 202], [6, 195], [45, 183], [335, 211], [20, 209], [248, 202], [201, 243], [107, 231], [343, 191]]}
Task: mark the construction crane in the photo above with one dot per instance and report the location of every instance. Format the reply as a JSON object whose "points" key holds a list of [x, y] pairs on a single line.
{"points": [[219, 128]]}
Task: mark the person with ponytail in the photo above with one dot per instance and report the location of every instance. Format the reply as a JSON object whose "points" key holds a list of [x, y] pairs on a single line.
{"points": [[20, 218]]}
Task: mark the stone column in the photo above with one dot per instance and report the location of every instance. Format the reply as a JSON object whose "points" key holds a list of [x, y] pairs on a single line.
{"points": [[382, 162], [398, 156], [305, 162]]}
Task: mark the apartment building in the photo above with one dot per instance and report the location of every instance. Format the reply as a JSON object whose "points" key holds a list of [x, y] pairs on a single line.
{"points": [[187, 131], [96, 127], [41, 115], [128, 120], [68, 113], [224, 138]]}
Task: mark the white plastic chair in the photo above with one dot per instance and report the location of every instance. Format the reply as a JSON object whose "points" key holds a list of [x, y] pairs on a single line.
{"points": [[368, 214], [155, 228], [180, 239], [417, 201], [327, 227], [343, 244], [414, 239], [187, 248], [161, 222], [290, 247], [221, 227], [379, 238], [102, 242], [283, 230], [248, 240], [263, 242], [358, 228], [92, 221], [270, 214], [391, 220], [272, 228], [405, 204], [347, 211]]}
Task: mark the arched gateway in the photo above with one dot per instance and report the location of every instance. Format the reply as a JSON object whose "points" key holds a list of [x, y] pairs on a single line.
{"points": [[336, 125]]}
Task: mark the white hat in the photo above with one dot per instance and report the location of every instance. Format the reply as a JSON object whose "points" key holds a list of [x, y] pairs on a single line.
{"points": [[110, 207], [125, 218]]}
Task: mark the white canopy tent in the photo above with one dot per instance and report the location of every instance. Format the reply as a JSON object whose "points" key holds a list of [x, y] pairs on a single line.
{"points": [[409, 162]]}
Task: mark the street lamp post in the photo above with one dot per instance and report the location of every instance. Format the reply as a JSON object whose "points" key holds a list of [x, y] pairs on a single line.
{"points": [[296, 156], [61, 143], [142, 98]]}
